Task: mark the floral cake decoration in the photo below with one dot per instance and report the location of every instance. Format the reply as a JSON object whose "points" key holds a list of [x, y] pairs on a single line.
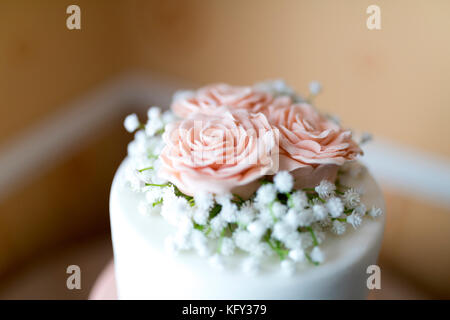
{"points": [[256, 169]]}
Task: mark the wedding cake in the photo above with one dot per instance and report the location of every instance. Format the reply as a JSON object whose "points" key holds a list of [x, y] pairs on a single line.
{"points": [[244, 193]]}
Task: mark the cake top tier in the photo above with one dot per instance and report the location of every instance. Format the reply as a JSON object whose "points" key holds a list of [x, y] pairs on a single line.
{"points": [[257, 169]]}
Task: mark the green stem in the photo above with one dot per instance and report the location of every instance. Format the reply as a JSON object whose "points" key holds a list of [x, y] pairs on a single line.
{"points": [[157, 185], [144, 169], [313, 236], [157, 202], [308, 257]]}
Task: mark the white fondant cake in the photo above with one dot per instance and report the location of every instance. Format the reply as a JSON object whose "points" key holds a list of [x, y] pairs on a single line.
{"points": [[144, 270]]}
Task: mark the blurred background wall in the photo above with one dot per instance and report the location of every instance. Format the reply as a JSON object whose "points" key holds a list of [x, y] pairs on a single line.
{"points": [[392, 82]]}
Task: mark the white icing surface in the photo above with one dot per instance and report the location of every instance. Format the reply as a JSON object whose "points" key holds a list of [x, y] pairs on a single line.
{"points": [[144, 270]]}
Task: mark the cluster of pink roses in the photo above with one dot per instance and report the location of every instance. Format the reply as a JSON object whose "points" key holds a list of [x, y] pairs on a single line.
{"points": [[229, 137]]}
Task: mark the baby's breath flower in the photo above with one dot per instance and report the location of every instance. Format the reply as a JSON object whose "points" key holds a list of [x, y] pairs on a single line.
{"points": [[131, 122], [281, 230], [284, 181], [244, 240], [306, 217], [257, 228], [351, 198], [229, 212], [246, 214], [288, 267], [278, 209], [201, 216], [320, 211], [355, 220], [298, 255], [317, 255], [168, 117], [154, 112], [153, 194], [335, 207], [293, 241], [338, 227], [360, 209], [375, 212], [292, 218], [298, 200], [266, 194], [325, 189], [204, 200], [218, 224], [315, 87]]}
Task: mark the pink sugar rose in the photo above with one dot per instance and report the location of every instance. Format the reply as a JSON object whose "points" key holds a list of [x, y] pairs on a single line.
{"points": [[223, 152], [312, 147], [207, 99]]}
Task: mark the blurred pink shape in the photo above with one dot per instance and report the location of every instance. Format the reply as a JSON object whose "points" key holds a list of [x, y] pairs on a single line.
{"points": [[105, 286]]}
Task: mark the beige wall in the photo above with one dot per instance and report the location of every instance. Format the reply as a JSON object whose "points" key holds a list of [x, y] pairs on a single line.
{"points": [[43, 64], [394, 82]]}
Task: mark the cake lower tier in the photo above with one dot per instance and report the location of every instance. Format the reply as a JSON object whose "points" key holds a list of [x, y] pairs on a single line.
{"points": [[144, 270]]}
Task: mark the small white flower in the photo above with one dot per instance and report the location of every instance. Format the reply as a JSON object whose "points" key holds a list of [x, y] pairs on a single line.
{"points": [[131, 122], [266, 194], [284, 181], [257, 228], [154, 112], [360, 209], [293, 241], [317, 255], [261, 249], [351, 198], [245, 240], [281, 230], [218, 224], [375, 212], [325, 223], [335, 207], [355, 220], [201, 216], [338, 227], [306, 240], [315, 87], [288, 267], [204, 200], [298, 200], [306, 217], [278, 209], [251, 265], [168, 117], [298, 255], [153, 194], [292, 218], [246, 214], [325, 189], [227, 246], [229, 212], [320, 212], [217, 262]]}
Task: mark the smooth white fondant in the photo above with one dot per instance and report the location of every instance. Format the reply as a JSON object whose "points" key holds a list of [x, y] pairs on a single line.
{"points": [[144, 270]]}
